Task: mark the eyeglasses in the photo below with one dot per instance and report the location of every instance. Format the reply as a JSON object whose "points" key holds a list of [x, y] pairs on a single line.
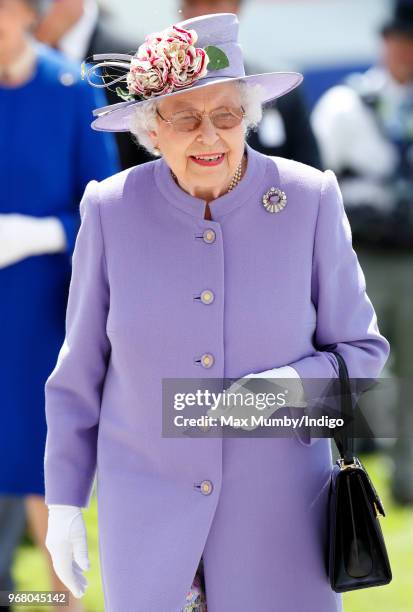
{"points": [[223, 118]]}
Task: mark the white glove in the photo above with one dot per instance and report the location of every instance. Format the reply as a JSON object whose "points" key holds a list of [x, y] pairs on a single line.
{"points": [[22, 236], [66, 541], [295, 391], [291, 387]]}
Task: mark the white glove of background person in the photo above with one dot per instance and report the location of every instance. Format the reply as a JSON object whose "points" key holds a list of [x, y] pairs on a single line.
{"points": [[66, 541], [22, 236], [291, 386]]}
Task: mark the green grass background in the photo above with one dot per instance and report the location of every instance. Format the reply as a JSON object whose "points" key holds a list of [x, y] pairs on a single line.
{"points": [[30, 571]]}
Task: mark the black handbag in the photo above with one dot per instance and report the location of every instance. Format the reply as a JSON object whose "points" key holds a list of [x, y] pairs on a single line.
{"points": [[357, 556]]}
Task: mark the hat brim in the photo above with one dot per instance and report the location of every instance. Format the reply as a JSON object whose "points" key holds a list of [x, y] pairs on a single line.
{"points": [[117, 117]]}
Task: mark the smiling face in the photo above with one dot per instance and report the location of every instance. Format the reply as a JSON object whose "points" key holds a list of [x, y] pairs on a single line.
{"points": [[179, 149]]}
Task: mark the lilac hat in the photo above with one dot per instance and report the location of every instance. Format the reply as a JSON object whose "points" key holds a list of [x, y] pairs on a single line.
{"points": [[169, 63]]}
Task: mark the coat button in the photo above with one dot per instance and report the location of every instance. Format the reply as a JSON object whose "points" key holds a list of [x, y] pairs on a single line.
{"points": [[208, 236], [207, 296], [207, 360], [206, 487]]}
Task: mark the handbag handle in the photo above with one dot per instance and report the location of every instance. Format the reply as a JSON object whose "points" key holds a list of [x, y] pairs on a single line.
{"points": [[344, 436]]}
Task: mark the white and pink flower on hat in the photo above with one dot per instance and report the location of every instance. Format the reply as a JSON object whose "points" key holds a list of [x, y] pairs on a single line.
{"points": [[165, 62]]}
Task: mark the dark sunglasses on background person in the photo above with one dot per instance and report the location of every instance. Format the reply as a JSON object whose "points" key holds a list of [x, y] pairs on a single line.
{"points": [[223, 118]]}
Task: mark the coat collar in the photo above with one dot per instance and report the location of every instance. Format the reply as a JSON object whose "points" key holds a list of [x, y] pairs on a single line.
{"points": [[221, 206]]}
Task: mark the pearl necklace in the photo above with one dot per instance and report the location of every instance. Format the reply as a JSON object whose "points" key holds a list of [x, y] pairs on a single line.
{"points": [[237, 177], [234, 181]]}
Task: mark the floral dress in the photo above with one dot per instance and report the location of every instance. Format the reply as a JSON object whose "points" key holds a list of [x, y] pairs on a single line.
{"points": [[195, 600]]}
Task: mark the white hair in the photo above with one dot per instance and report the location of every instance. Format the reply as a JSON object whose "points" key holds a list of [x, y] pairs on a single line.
{"points": [[144, 118]]}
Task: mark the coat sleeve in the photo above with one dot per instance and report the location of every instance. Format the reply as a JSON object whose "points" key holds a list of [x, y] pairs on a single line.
{"points": [[74, 388], [345, 314]]}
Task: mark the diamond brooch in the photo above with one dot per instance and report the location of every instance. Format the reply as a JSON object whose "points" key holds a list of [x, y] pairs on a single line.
{"points": [[274, 200]]}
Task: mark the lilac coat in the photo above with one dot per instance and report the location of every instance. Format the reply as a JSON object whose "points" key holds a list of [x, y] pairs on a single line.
{"points": [[280, 281]]}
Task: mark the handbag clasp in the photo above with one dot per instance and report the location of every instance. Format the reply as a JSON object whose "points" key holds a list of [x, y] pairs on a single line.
{"points": [[344, 466]]}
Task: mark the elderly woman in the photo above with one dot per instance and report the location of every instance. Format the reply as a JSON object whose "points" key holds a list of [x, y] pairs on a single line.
{"points": [[213, 261]]}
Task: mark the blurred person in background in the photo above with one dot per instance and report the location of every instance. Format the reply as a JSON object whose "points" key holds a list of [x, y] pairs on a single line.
{"points": [[48, 154], [79, 29], [285, 128], [365, 131]]}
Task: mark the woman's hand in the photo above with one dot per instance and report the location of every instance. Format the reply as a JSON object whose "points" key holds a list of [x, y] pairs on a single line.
{"points": [[66, 541], [291, 384], [284, 380]]}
